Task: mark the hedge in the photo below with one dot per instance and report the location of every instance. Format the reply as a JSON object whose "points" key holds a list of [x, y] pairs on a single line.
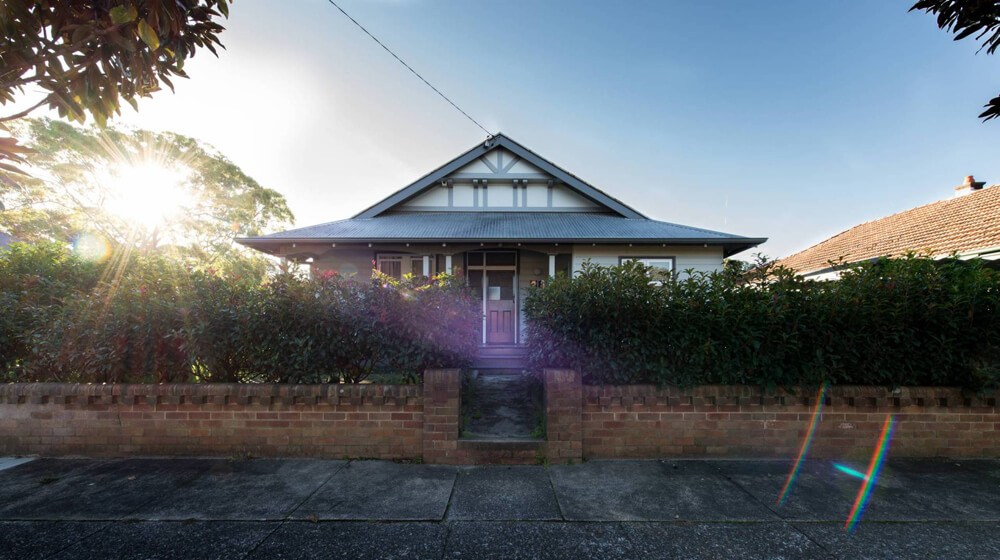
{"points": [[141, 319], [894, 322]]}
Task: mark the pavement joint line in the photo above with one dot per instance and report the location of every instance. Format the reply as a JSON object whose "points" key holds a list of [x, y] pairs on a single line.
{"points": [[122, 518], [281, 523], [775, 513], [552, 485], [451, 495]]}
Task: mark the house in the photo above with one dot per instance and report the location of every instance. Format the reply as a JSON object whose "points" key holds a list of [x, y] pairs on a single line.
{"points": [[506, 217], [968, 224], [6, 240]]}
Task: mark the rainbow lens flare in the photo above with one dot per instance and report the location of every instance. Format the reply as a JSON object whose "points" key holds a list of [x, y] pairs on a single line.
{"points": [[873, 469], [805, 445]]}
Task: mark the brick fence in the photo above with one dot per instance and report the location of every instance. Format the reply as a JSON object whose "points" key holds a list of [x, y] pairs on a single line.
{"points": [[413, 421], [374, 421], [727, 421]]}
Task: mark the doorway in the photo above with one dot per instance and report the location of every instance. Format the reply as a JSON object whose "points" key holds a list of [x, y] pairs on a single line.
{"points": [[493, 277]]}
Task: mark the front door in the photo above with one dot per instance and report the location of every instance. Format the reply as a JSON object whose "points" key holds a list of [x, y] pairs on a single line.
{"points": [[493, 277], [500, 312]]}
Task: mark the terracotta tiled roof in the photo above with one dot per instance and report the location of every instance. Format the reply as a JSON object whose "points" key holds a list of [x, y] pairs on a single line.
{"points": [[966, 223]]}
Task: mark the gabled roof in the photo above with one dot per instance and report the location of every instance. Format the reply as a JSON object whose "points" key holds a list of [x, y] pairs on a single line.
{"points": [[614, 222], [966, 224], [500, 141]]}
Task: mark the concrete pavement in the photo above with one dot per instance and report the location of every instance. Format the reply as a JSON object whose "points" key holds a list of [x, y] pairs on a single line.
{"points": [[217, 508]]}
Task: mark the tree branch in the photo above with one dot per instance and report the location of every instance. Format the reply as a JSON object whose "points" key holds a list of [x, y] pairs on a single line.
{"points": [[25, 112]]}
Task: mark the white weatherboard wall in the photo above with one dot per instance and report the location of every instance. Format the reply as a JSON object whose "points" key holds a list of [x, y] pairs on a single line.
{"points": [[696, 257]]}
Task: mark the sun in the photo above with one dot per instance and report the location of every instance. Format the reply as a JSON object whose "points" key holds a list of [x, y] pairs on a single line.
{"points": [[147, 194]]}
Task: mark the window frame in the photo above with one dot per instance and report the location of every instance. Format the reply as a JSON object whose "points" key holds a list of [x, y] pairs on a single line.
{"points": [[672, 259], [653, 279], [402, 259]]}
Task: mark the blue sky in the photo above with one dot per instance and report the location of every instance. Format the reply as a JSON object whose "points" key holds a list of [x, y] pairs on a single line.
{"points": [[790, 120]]}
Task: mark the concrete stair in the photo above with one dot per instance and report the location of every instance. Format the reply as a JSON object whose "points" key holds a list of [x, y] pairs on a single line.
{"points": [[507, 357]]}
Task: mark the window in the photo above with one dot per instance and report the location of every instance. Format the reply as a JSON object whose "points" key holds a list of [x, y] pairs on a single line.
{"points": [[662, 267], [398, 265]]}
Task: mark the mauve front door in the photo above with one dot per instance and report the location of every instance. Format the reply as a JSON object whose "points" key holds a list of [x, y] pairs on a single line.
{"points": [[500, 311]]}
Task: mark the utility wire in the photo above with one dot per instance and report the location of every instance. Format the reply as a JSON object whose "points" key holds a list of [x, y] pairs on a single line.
{"points": [[388, 50]]}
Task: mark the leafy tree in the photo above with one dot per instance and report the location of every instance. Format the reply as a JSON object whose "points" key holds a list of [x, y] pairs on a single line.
{"points": [[89, 55], [77, 177], [965, 18]]}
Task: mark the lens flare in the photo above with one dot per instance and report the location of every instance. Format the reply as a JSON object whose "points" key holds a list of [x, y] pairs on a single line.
{"points": [[92, 247], [805, 445], [873, 469], [850, 471]]}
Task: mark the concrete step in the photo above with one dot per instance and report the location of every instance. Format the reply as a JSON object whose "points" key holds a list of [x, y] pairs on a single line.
{"points": [[506, 350], [501, 451], [512, 357]]}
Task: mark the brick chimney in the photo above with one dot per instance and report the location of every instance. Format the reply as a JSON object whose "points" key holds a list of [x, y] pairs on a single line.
{"points": [[969, 185]]}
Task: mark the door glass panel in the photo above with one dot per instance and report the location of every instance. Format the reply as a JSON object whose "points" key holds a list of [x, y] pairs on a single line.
{"points": [[417, 266], [500, 259], [501, 283], [475, 259]]}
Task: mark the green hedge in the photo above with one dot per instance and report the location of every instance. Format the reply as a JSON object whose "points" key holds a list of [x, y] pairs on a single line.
{"points": [[153, 320], [910, 321]]}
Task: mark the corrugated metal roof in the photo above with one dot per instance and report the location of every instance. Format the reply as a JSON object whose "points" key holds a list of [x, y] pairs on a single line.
{"points": [[503, 226]]}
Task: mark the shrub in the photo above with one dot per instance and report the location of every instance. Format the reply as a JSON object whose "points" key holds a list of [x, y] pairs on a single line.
{"points": [[908, 321], [150, 319], [35, 281], [127, 329]]}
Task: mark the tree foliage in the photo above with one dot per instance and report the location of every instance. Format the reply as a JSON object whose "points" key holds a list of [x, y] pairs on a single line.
{"points": [[909, 321], [969, 18], [72, 192], [88, 56]]}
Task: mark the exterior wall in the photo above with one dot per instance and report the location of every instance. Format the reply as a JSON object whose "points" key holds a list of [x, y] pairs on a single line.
{"points": [[699, 258], [333, 421], [349, 261], [528, 263], [346, 262]]}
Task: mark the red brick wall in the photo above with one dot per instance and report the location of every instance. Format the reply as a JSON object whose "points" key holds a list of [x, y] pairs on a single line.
{"points": [[442, 390], [412, 421], [647, 421], [563, 421], [371, 421]]}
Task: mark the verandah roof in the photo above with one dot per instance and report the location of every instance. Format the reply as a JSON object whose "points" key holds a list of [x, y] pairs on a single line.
{"points": [[529, 227]]}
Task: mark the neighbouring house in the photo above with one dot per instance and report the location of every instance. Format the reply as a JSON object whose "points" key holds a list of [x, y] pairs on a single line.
{"points": [[506, 218], [966, 225]]}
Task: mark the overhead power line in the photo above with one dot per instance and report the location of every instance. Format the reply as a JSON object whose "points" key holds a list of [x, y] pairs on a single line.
{"points": [[415, 73]]}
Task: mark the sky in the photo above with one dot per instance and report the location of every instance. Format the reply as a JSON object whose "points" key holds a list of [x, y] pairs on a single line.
{"points": [[782, 119]]}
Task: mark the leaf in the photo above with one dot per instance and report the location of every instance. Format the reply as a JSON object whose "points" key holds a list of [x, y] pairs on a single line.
{"points": [[123, 14], [148, 36]]}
